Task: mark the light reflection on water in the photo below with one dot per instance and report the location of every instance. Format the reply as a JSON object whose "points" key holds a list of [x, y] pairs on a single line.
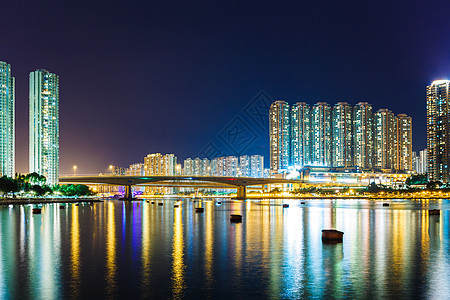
{"points": [[138, 249]]}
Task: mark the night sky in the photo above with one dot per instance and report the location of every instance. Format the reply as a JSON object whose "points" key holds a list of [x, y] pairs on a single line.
{"points": [[169, 76]]}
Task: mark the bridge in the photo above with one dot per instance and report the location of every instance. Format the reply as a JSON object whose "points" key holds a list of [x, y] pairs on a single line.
{"points": [[240, 183]]}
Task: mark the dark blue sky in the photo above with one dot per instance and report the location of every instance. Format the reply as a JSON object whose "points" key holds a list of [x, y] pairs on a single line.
{"points": [[139, 77]]}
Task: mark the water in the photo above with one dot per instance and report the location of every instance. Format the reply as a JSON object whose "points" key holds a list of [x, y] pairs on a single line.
{"points": [[135, 250]]}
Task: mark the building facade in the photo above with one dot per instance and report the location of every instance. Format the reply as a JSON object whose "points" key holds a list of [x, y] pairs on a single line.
{"points": [[385, 136], [257, 166], [279, 132], [244, 166], [188, 167], [7, 122], [136, 169], [438, 131], [321, 134], [404, 143], [158, 164], [342, 135], [363, 142], [300, 135], [44, 125], [420, 162]]}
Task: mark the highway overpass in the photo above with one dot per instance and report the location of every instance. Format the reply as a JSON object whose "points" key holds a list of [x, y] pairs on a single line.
{"points": [[240, 183]]}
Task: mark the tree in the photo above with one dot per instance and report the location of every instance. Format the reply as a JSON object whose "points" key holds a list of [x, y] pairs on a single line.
{"points": [[41, 190], [275, 190], [34, 178], [373, 188], [74, 190], [417, 179], [434, 185], [8, 185]]}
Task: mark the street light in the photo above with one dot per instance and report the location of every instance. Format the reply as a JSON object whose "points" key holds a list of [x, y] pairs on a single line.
{"points": [[74, 170], [111, 168]]}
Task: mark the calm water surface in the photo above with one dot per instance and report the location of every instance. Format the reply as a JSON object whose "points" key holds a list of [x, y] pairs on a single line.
{"points": [[135, 250]]}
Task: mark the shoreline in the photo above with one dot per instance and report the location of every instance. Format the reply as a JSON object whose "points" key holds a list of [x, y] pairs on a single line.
{"points": [[350, 197], [45, 201]]}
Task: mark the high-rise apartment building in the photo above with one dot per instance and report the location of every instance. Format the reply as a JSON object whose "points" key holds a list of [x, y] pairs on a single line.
{"points": [[363, 142], [257, 166], [251, 166], [300, 135], [169, 165], [44, 125], [321, 134], [244, 166], [385, 135], [188, 167], [7, 124], [158, 164], [423, 165], [404, 143], [153, 164], [279, 132], [342, 135], [198, 167], [438, 130], [136, 169], [206, 167]]}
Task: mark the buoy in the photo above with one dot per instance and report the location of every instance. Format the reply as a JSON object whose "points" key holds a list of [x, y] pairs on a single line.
{"points": [[332, 235], [160, 203], [199, 209], [37, 210], [385, 204], [285, 205], [236, 218], [435, 212], [62, 207]]}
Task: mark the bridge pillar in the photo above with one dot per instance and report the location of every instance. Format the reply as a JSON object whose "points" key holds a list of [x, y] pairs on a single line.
{"points": [[241, 192], [128, 194]]}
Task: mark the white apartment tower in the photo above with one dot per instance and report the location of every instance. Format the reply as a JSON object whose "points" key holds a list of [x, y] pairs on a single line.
{"points": [[44, 125], [7, 124]]}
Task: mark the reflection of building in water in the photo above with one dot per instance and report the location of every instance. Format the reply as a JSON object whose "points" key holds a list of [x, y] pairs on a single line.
{"points": [[75, 249], [146, 247], [111, 251], [209, 245], [178, 266]]}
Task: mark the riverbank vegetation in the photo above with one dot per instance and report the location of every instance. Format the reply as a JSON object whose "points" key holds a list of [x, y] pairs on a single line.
{"points": [[34, 185]]}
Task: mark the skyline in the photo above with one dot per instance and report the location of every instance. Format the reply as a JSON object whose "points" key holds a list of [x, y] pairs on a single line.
{"points": [[341, 114], [228, 57]]}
